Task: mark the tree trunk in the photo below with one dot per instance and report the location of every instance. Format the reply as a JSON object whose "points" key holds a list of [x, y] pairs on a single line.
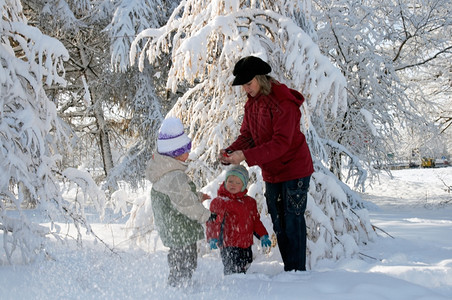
{"points": [[104, 140], [102, 128], [29, 201]]}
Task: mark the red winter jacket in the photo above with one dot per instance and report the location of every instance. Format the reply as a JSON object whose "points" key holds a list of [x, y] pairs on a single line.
{"points": [[237, 219], [270, 135]]}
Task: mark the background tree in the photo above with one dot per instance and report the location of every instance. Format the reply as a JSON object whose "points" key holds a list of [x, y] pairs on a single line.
{"points": [[114, 111], [32, 136], [90, 93], [149, 100], [390, 53]]}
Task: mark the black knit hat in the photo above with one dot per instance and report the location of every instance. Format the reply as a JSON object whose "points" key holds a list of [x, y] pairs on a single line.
{"points": [[248, 67]]}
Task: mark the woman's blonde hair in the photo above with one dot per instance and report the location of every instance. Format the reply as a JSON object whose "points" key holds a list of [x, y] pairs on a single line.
{"points": [[265, 83]]}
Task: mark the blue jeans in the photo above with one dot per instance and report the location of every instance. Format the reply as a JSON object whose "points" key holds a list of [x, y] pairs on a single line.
{"points": [[286, 202]]}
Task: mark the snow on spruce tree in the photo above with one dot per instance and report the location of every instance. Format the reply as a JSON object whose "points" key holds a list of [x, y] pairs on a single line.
{"points": [[144, 103], [31, 135], [205, 40]]}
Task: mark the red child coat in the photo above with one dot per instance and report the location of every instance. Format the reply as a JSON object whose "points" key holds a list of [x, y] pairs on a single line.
{"points": [[237, 219]]}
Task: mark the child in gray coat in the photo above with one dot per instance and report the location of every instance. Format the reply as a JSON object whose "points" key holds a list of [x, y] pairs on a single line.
{"points": [[177, 206]]}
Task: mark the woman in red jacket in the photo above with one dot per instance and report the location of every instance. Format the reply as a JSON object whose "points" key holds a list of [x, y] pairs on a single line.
{"points": [[270, 137], [236, 220]]}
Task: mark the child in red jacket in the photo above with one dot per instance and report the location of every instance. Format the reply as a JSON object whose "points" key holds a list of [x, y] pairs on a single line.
{"points": [[237, 219]]}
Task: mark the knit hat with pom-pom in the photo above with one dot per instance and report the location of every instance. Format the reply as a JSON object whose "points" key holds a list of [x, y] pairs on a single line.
{"points": [[172, 140]]}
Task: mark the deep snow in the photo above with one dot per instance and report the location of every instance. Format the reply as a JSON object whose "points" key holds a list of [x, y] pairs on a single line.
{"points": [[412, 261]]}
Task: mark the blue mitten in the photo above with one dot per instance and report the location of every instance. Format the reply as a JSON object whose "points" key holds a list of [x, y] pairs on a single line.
{"points": [[213, 244], [265, 241]]}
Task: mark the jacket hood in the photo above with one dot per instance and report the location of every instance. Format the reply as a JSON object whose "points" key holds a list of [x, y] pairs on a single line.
{"points": [[159, 165], [281, 91]]}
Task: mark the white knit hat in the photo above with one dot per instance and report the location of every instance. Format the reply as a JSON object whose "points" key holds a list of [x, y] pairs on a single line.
{"points": [[172, 140]]}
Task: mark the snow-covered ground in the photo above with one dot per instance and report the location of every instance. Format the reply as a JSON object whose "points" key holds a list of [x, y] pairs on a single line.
{"points": [[412, 260]]}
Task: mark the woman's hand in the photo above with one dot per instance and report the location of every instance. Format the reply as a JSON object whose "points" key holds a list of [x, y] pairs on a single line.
{"points": [[223, 154], [234, 158]]}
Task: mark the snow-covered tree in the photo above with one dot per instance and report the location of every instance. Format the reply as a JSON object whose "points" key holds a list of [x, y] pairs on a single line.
{"points": [[89, 94], [144, 121], [205, 40], [390, 53], [111, 108], [148, 101], [32, 137]]}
